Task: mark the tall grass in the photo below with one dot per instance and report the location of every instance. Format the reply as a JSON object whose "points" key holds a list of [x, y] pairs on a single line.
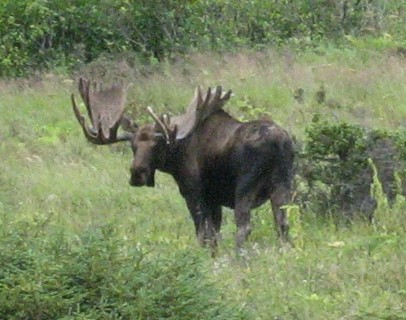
{"points": [[78, 243]]}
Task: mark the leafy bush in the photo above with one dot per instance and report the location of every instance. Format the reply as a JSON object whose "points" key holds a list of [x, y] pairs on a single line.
{"points": [[335, 165], [46, 275], [38, 34]]}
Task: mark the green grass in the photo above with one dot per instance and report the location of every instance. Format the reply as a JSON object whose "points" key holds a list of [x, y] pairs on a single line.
{"points": [[57, 190]]}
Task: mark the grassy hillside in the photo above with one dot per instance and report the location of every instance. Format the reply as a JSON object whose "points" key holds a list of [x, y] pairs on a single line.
{"points": [[76, 242]]}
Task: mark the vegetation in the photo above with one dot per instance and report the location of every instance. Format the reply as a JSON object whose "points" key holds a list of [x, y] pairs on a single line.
{"points": [[41, 34], [100, 275], [338, 162], [76, 242]]}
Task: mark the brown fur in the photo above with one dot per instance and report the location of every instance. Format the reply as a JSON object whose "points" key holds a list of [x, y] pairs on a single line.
{"points": [[224, 162], [215, 159]]}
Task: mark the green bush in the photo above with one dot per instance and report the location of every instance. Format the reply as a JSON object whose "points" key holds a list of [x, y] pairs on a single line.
{"points": [[40, 34], [335, 166], [98, 275]]}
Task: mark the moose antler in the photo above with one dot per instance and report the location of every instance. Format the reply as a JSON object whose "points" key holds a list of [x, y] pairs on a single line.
{"points": [[105, 108], [163, 123], [201, 107]]}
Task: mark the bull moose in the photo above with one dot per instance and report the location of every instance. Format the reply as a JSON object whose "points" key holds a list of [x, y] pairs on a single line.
{"points": [[215, 159]]}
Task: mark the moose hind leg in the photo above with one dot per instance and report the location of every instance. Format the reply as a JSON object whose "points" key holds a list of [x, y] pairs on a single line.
{"points": [[280, 197], [242, 220]]}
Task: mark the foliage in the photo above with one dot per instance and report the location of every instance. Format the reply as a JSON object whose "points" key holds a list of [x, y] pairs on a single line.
{"points": [[99, 275], [72, 230], [345, 158], [40, 34]]}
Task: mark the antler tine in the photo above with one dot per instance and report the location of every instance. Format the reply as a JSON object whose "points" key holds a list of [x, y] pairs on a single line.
{"points": [[206, 99], [215, 99], [84, 90], [163, 125], [197, 99], [227, 95], [205, 102], [218, 92], [89, 133], [166, 120]]}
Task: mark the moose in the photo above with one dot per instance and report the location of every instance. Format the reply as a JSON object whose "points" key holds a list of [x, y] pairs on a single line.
{"points": [[215, 159]]}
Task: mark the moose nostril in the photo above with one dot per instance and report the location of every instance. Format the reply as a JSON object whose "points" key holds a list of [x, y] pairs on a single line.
{"points": [[139, 176]]}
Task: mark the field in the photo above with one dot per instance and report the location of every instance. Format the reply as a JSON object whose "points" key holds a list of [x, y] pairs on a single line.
{"points": [[77, 242]]}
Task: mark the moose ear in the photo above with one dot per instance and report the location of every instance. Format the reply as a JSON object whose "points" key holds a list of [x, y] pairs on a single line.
{"points": [[128, 125]]}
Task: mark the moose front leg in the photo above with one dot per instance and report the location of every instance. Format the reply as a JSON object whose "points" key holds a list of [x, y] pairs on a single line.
{"points": [[212, 227], [207, 221], [197, 214], [217, 217]]}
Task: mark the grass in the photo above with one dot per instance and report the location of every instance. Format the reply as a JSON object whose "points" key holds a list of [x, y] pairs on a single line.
{"points": [[52, 182]]}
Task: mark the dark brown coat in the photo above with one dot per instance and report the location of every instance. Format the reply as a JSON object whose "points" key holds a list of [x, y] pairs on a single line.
{"points": [[216, 161]]}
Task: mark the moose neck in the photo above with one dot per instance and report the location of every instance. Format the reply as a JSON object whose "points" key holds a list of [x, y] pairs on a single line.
{"points": [[172, 158], [215, 131]]}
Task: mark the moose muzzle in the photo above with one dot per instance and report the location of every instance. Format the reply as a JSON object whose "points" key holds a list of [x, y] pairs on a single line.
{"points": [[142, 177]]}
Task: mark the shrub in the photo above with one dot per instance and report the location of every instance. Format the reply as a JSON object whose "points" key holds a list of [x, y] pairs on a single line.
{"points": [[334, 166], [38, 34], [99, 275]]}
